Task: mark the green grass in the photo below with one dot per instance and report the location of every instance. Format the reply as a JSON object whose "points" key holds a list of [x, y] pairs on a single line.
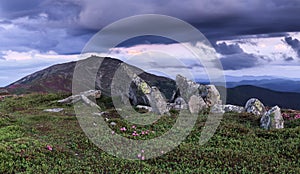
{"points": [[238, 146]]}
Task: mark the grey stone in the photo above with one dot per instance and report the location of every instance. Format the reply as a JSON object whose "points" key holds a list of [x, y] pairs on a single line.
{"points": [[217, 109], [196, 104], [157, 101], [272, 119], [180, 104], [142, 93], [113, 123], [234, 108], [54, 110], [213, 96], [187, 87], [99, 113], [144, 107], [81, 96], [255, 107]]}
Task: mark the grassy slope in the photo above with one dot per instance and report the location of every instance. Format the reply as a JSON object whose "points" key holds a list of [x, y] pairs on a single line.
{"points": [[238, 146]]}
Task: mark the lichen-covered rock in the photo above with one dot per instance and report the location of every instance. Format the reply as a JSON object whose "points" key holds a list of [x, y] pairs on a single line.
{"points": [[196, 104], [272, 119], [213, 96], [255, 107], [233, 108]]}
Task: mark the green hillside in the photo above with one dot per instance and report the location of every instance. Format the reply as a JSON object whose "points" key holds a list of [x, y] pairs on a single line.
{"points": [[34, 141]]}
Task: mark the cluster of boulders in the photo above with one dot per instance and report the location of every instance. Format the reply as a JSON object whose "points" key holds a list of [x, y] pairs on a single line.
{"points": [[193, 96], [189, 96], [271, 119]]}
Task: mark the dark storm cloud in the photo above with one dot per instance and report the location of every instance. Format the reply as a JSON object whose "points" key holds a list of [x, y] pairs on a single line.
{"points": [[225, 49], [239, 61], [18, 8], [73, 18], [294, 43], [288, 59]]}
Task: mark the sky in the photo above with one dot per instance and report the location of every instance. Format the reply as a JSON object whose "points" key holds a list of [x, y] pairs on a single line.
{"points": [[251, 38]]}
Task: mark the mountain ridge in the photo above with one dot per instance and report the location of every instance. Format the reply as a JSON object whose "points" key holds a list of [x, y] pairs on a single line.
{"points": [[58, 78]]}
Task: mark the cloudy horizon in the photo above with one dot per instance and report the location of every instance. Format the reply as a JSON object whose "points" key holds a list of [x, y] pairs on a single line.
{"points": [[254, 38]]}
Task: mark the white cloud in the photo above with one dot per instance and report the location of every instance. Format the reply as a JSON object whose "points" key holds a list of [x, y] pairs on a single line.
{"points": [[19, 64]]}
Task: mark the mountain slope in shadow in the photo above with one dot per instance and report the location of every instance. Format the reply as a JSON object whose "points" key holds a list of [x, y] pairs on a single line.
{"points": [[239, 96]]}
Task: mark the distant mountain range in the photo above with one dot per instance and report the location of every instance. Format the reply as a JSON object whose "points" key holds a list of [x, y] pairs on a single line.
{"points": [[282, 85], [268, 82], [240, 94], [58, 78]]}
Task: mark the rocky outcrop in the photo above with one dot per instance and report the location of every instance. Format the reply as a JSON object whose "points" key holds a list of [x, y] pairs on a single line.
{"points": [[151, 96], [199, 96], [272, 119], [255, 107], [187, 87]]}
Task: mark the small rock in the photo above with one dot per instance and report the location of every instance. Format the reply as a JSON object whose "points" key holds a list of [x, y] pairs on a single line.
{"points": [[99, 114], [255, 107], [144, 107], [233, 108], [54, 110], [180, 104], [217, 109], [113, 123]]}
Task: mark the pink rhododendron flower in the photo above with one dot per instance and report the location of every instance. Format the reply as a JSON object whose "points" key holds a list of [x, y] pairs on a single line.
{"points": [[49, 147], [135, 134], [133, 127], [123, 129]]}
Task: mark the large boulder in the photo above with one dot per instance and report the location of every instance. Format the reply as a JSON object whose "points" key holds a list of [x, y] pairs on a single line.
{"points": [[272, 119], [255, 107], [212, 95], [196, 104], [157, 101], [187, 87]]}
